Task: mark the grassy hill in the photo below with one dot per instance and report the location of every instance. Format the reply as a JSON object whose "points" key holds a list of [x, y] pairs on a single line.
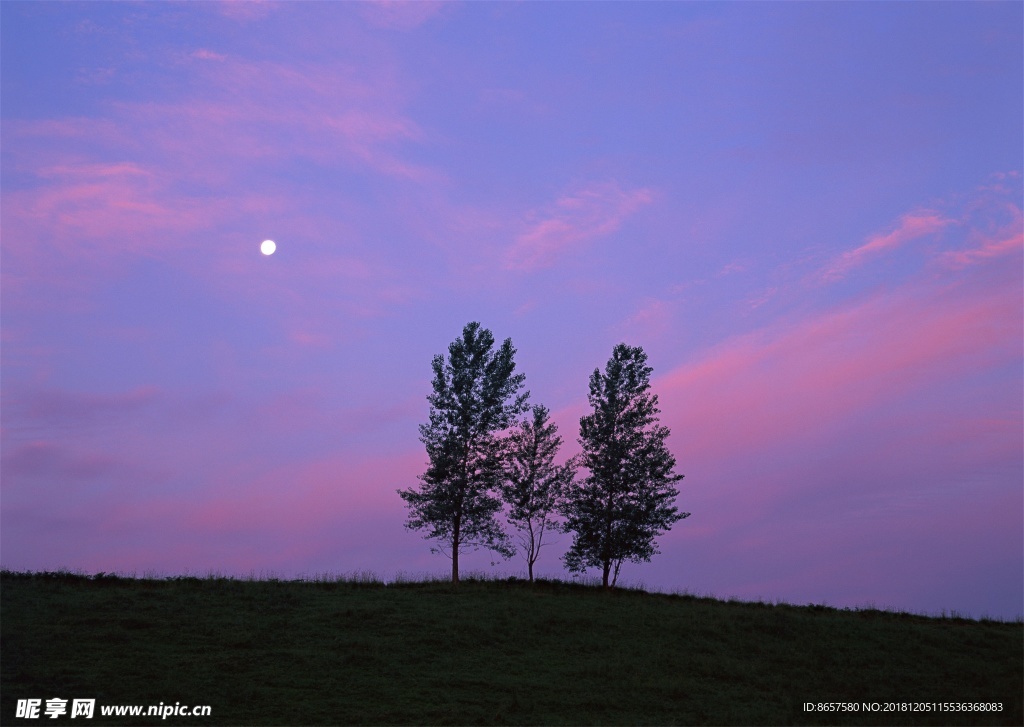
{"points": [[488, 652]]}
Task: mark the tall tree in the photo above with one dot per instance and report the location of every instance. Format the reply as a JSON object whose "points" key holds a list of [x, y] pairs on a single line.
{"points": [[476, 395], [626, 500], [533, 483]]}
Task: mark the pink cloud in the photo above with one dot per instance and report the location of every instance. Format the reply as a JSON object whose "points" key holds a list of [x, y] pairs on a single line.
{"points": [[208, 55], [217, 139], [652, 320], [280, 111], [910, 227], [122, 204], [989, 249], [764, 389], [160, 177], [993, 225], [1000, 234], [235, 112], [762, 297], [590, 213], [736, 266]]}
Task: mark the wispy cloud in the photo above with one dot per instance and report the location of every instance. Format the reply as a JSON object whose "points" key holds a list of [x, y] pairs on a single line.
{"points": [[737, 266], [245, 110], [761, 389], [999, 231], [651, 320], [236, 114], [124, 204], [204, 54], [574, 219], [910, 227], [990, 248], [201, 168]]}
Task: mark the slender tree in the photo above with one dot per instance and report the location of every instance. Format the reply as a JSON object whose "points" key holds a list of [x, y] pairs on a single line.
{"points": [[626, 500], [533, 483], [476, 395]]}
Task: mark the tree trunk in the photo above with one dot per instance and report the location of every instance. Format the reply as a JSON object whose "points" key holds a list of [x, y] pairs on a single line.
{"points": [[456, 542], [607, 567], [455, 551], [529, 565]]}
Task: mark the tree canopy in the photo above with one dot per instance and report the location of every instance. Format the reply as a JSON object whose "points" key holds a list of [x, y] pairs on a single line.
{"points": [[476, 394], [533, 483], [626, 500]]}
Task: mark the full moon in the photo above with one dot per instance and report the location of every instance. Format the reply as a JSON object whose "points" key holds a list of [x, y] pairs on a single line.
{"points": [[267, 247]]}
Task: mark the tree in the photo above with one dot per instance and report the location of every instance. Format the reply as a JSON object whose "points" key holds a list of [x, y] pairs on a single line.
{"points": [[476, 395], [533, 483], [626, 500]]}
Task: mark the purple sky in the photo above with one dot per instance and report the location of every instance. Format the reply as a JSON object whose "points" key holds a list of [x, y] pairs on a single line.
{"points": [[809, 215]]}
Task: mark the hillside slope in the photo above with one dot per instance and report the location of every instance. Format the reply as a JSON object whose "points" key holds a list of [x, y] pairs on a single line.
{"points": [[291, 653]]}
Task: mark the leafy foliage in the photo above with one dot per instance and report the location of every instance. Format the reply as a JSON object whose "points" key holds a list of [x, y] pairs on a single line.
{"points": [[533, 483], [476, 395], [617, 511]]}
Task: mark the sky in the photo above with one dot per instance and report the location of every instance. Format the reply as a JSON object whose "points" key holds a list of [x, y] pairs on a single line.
{"points": [[807, 214]]}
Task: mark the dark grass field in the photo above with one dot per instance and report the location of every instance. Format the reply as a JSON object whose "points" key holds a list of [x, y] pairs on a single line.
{"points": [[267, 652]]}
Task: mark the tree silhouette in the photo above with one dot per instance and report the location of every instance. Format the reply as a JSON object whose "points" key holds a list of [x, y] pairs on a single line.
{"points": [[626, 500], [533, 483], [476, 395]]}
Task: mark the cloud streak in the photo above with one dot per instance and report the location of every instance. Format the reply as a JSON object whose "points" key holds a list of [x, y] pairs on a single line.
{"points": [[1000, 235], [829, 366], [575, 219], [911, 227]]}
